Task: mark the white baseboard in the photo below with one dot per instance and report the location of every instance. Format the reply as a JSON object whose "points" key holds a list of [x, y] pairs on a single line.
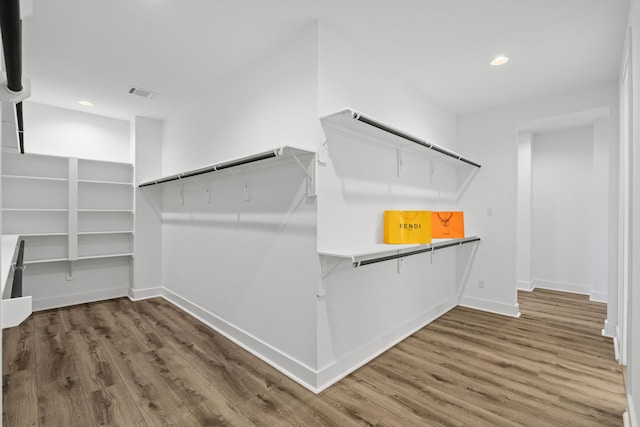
{"points": [[313, 380], [359, 357], [574, 288], [598, 296], [490, 306], [609, 329], [632, 413], [140, 294], [79, 298], [299, 372], [524, 286]]}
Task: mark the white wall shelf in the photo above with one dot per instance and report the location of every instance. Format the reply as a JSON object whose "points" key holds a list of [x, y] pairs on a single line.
{"points": [[355, 123], [37, 178], [83, 233], [364, 255], [129, 254], [68, 208], [87, 181], [271, 158], [107, 210], [33, 210]]}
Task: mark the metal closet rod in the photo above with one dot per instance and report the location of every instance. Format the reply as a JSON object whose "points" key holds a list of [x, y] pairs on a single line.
{"points": [[381, 126], [11, 30], [216, 167], [434, 247], [20, 125], [16, 287]]}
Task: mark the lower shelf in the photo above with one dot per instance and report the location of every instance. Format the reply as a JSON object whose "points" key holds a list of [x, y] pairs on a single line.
{"points": [[371, 254], [80, 258]]}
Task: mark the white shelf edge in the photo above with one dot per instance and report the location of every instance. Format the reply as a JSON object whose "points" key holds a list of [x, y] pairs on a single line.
{"points": [[43, 234], [44, 261], [40, 178], [90, 233], [382, 249], [33, 210], [252, 159], [113, 162], [85, 257], [106, 210], [90, 181]]}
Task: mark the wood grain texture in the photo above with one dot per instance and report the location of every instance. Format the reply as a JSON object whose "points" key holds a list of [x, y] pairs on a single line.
{"points": [[147, 363]]}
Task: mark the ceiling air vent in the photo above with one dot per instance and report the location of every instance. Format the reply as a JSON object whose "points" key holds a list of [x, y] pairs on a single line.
{"points": [[145, 93]]}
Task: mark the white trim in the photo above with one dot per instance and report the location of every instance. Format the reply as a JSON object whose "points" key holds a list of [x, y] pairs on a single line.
{"points": [[490, 306], [79, 298], [140, 294], [525, 286], [358, 357], [313, 380], [598, 296], [299, 372], [574, 288], [616, 349], [631, 412], [609, 329]]}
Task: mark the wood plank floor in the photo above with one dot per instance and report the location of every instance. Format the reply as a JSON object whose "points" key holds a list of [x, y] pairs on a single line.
{"points": [[149, 364]]}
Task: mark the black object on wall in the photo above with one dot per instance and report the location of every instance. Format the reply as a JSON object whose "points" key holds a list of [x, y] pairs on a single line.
{"points": [[16, 288], [371, 122], [11, 29]]}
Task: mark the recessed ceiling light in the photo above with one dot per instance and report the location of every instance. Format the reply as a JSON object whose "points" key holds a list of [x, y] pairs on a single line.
{"points": [[85, 103], [499, 60]]}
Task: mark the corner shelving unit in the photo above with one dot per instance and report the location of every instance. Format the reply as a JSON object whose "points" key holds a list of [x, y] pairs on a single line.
{"points": [[68, 209]]}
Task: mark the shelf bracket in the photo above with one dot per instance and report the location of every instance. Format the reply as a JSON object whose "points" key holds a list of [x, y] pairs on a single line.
{"points": [[400, 264], [400, 162], [432, 170], [310, 173], [326, 270], [207, 192], [182, 194], [247, 189]]}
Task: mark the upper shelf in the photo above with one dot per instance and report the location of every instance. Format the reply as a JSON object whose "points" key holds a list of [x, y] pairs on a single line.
{"points": [[280, 155], [353, 121]]}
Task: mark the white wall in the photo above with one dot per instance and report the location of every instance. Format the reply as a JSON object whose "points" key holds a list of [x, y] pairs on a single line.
{"points": [[248, 267], [490, 137], [367, 309], [266, 104], [523, 215], [562, 225], [61, 132], [353, 76], [602, 218], [633, 362], [146, 135]]}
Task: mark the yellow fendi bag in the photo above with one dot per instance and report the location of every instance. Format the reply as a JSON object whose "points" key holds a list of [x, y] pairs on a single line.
{"points": [[407, 227]]}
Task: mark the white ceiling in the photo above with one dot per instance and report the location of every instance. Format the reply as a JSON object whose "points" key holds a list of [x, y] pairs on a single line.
{"points": [[96, 49]]}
